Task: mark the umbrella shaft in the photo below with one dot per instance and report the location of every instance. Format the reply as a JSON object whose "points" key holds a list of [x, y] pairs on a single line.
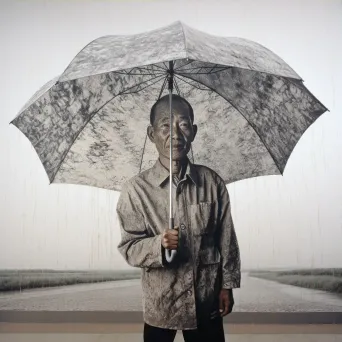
{"points": [[170, 254], [170, 168]]}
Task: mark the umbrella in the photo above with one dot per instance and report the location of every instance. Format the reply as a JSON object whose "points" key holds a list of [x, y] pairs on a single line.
{"points": [[88, 125]]}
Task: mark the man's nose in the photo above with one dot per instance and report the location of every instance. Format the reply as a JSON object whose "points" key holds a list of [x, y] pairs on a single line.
{"points": [[176, 131]]}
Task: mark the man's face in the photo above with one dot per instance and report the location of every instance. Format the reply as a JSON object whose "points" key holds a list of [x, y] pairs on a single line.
{"points": [[184, 131]]}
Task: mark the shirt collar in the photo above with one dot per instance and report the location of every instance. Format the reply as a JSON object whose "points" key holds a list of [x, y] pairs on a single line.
{"points": [[161, 173]]}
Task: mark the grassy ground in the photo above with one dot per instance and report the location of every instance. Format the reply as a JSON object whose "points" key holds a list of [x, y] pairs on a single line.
{"points": [[15, 280], [329, 279]]}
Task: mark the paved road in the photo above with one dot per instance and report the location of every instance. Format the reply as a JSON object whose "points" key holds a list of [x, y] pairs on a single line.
{"points": [[256, 295], [138, 338]]}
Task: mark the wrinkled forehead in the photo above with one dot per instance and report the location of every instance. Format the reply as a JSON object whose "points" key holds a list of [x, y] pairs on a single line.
{"points": [[179, 108]]}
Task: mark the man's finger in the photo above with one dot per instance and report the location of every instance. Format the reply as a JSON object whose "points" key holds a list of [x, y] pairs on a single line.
{"points": [[173, 232], [230, 307], [170, 242], [225, 303], [231, 303], [225, 312], [221, 304], [170, 245]]}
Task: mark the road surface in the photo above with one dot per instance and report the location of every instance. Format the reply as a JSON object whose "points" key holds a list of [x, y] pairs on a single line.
{"points": [[256, 295], [138, 338]]}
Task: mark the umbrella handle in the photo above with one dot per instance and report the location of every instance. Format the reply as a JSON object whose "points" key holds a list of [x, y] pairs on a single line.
{"points": [[170, 254]]}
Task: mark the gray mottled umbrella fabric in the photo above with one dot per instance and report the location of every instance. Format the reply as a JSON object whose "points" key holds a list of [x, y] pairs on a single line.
{"points": [[88, 125]]}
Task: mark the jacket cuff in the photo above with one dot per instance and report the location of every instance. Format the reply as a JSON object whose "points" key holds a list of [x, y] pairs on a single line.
{"points": [[229, 284], [159, 250]]}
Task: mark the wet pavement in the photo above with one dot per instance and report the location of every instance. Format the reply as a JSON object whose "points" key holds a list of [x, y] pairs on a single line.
{"points": [[256, 295], [179, 338]]}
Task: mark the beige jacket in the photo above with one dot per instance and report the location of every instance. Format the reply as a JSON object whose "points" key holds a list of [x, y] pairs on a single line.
{"points": [[176, 296]]}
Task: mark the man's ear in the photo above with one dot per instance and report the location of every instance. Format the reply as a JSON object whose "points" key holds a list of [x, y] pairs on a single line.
{"points": [[194, 127], [150, 133]]}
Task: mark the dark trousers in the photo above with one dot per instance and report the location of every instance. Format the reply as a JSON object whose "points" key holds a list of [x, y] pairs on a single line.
{"points": [[210, 331]]}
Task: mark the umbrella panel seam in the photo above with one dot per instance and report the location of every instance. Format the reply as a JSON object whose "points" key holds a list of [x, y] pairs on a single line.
{"points": [[262, 141], [87, 122]]}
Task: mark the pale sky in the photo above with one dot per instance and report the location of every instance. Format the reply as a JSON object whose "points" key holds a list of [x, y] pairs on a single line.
{"points": [[289, 221]]}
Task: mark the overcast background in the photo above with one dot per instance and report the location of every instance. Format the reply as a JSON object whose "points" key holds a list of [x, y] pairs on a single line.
{"points": [[290, 221]]}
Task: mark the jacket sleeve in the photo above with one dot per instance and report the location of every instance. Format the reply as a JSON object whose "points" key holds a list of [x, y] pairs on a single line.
{"points": [[137, 247], [227, 241]]}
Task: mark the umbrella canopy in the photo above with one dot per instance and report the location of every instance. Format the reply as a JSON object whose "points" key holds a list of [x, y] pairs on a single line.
{"points": [[88, 126]]}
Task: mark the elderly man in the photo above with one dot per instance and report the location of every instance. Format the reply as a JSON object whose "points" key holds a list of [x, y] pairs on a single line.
{"points": [[193, 292]]}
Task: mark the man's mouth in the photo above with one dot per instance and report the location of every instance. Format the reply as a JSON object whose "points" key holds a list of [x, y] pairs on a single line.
{"points": [[177, 146]]}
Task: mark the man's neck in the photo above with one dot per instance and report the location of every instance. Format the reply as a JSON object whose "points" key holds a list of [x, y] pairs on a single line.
{"points": [[178, 166]]}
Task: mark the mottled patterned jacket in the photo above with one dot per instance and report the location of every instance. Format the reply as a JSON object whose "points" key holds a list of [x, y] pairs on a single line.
{"points": [[176, 295]]}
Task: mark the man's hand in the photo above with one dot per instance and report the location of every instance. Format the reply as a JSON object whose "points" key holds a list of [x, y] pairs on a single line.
{"points": [[170, 238], [226, 302]]}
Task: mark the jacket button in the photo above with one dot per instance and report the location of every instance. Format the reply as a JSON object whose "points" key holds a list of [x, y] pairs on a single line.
{"points": [[189, 293], [182, 226]]}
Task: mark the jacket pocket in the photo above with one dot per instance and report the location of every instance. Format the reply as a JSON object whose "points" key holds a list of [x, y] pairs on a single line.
{"points": [[202, 217]]}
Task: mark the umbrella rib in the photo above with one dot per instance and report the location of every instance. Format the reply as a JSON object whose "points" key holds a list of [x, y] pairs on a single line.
{"points": [[144, 69], [162, 88], [176, 86], [192, 85], [142, 154], [158, 66], [197, 70], [202, 73], [212, 68], [268, 150], [142, 74], [192, 154], [182, 66], [81, 130], [137, 91]]}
